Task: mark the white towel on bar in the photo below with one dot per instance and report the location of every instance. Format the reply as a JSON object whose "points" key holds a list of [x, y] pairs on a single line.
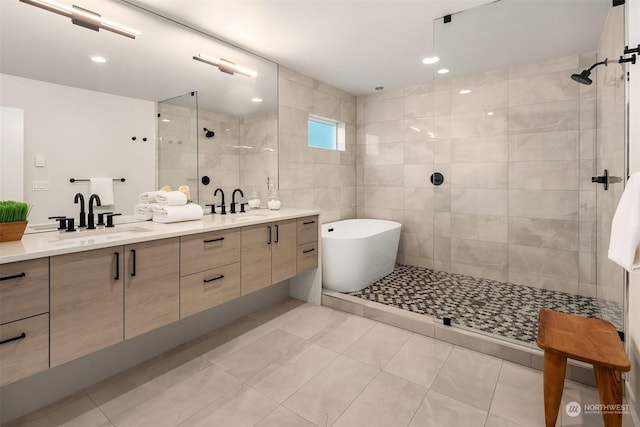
{"points": [[148, 197], [103, 187], [171, 198], [143, 211], [166, 214], [624, 245]]}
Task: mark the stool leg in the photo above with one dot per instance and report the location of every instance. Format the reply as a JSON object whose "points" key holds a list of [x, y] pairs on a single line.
{"points": [[555, 367], [610, 390]]}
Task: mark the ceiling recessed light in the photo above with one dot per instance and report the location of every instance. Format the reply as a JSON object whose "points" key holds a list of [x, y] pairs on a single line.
{"points": [[443, 71], [464, 91], [490, 113], [166, 120], [256, 99], [430, 60], [99, 59]]}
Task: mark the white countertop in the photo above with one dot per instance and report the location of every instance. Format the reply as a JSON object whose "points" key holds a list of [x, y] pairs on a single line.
{"points": [[38, 245]]}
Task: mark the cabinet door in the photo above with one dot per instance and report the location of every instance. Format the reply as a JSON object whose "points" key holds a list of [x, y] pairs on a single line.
{"points": [[256, 257], [86, 303], [283, 251], [151, 285]]}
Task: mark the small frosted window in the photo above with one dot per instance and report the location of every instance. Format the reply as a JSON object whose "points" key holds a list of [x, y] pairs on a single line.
{"points": [[322, 134]]}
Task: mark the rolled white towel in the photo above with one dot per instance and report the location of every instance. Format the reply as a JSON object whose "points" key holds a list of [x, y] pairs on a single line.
{"points": [[171, 198], [166, 214], [143, 211], [148, 197]]}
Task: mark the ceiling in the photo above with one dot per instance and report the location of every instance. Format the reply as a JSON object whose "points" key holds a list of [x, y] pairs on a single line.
{"points": [[354, 45]]}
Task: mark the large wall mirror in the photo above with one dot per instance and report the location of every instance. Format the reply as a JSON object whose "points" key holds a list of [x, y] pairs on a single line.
{"points": [[140, 115]]}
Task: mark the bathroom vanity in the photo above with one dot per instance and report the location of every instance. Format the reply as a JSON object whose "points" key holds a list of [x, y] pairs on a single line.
{"points": [[67, 295]]}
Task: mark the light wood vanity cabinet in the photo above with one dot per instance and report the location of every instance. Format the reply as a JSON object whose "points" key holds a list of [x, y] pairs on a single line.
{"points": [[24, 319], [307, 249], [268, 254], [151, 285], [87, 312], [209, 270]]}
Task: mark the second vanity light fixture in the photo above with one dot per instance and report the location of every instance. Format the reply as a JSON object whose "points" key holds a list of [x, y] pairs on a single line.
{"points": [[83, 17], [225, 65]]}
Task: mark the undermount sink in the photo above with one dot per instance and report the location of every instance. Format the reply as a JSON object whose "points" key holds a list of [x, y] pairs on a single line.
{"points": [[102, 234]]}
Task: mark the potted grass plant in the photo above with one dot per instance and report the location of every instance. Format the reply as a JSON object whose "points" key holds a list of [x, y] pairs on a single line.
{"points": [[13, 220]]}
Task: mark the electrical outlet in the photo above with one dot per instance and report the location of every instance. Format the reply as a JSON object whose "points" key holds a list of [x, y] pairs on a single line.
{"points": [[40, 186]]}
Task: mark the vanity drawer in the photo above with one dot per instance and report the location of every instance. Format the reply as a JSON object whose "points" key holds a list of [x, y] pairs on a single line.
{"points": [[307, 258], [201, 291], [26, 355], [24, 289], [307, 230], [200, 252]]}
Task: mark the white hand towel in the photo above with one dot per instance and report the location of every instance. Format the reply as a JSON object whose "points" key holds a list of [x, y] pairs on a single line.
{"points": [[166, 214], [624, 245], [103, 187], [171, 198], [143, 211], [148, 197]]}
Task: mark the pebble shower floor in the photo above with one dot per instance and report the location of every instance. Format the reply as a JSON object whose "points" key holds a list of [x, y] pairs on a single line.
{"points": [[503, 309]]}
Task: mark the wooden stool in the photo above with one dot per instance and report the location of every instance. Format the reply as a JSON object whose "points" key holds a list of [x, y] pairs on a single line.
{"points": [[594, 341]]}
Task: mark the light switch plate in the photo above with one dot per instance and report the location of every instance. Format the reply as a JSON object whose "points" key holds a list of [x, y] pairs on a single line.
{"points": [[40, 186], [39, 160]]}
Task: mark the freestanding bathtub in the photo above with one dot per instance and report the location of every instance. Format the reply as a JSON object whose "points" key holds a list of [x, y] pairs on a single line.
{"points": [[357, 252]]}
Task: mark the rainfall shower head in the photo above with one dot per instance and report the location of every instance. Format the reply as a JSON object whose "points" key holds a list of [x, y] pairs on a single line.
{"points": [[209, 133], [583, 77]]}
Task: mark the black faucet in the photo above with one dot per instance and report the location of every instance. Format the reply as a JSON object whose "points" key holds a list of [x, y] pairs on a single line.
{"points": [[233, 200], [215, 193], [91, 225], [83, 217]]}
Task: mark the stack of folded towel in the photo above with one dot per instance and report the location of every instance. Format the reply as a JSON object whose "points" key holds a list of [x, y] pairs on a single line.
{"points": [[144, 209], [171, 206]]}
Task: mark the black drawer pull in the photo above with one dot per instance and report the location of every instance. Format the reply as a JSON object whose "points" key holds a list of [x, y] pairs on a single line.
{"points": [[133, 269], [217, 239], [308, 222], [277, 234], [117, 277], [19, 337], [269, 240], [306, 251], [15, 276], [215, 278]]}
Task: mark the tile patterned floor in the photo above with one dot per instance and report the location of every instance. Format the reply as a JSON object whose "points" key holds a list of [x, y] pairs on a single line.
{"points": [[296, 364], [496, 308]]}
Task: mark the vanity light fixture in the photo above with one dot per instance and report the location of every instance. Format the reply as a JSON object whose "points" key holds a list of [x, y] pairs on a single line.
{"points": [[83, 17], [225, 65], [443, 71], [99, 59]]}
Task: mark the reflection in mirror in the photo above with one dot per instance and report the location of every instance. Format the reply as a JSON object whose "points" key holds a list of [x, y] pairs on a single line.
{"points": [[81, 116]]}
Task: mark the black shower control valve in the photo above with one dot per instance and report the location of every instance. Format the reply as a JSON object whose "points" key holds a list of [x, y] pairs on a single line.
{"points": [[144, 139], [213, 208], [604, 179], [110, 219], [133, 138], [205, 180], [437, 178]]}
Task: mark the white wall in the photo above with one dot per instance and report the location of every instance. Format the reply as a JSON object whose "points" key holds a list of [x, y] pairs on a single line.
{"points": [[81, 134], [633, 385], [11, 153]]}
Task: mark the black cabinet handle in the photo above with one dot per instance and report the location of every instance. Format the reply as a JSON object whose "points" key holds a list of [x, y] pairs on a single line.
{"points": [[215, 278], [306, 251], [117, 254], [308, 222], [269, 241], [19, 337], [217, 239], [277, 234], [133, 267], [15, 276]]}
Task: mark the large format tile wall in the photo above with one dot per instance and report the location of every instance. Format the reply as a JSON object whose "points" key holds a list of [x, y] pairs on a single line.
{"points": [[517, 154], [313, 178]]}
